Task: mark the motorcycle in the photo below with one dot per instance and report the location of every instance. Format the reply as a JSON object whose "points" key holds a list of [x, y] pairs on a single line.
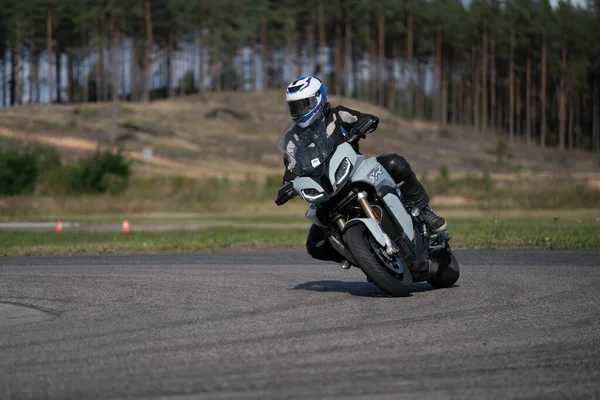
{"points": [[361, 208]]}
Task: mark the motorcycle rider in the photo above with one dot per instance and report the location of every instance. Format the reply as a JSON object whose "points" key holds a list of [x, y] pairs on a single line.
{"points": [[307, 102]]}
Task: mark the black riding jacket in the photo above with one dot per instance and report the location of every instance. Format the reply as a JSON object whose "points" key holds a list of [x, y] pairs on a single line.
{"points": [[339, 121]]}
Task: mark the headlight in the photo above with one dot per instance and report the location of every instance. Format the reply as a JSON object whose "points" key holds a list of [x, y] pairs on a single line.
{"points": [[311, 194], [343, 171]]}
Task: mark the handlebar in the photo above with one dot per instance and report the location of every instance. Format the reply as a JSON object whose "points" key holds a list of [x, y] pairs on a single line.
{"points": [[363, 128]]}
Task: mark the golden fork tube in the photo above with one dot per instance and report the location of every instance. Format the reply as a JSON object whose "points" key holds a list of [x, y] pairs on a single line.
{"points": [[341, 223], [364, 203]]}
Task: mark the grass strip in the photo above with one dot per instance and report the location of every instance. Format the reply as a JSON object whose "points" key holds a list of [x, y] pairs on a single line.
{"points": [[466, 234], [74, 243], [265, 213], [525, 234]]}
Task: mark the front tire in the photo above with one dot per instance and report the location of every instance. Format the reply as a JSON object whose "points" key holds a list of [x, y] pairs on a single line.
{"points": [[357, 239]]}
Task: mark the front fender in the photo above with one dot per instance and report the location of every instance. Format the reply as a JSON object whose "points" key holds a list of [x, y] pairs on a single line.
{"points": [[373, 227]]}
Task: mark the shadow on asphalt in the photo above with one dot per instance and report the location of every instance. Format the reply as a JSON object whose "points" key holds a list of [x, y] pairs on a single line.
{"points": [[362, 289]]}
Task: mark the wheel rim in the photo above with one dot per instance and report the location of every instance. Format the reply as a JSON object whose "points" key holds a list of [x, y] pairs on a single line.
{"points": [[381, 257]]}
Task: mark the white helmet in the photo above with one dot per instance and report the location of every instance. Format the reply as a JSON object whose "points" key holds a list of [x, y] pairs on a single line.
{"points": [[305, 97]]}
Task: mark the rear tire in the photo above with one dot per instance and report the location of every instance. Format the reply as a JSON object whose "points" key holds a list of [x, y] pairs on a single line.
{"points": [[357, 239], [448, 272]]}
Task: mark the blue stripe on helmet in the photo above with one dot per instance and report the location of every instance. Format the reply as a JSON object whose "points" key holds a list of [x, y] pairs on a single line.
{"points": [[305, 85], [297, 82], [313, 112], [322, 89]]}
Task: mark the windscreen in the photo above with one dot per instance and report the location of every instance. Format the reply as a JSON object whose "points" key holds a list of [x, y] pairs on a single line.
{"points": [[306, 148]]}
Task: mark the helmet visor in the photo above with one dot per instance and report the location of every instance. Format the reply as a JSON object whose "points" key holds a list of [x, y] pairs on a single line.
{"points": [[299, 108]]}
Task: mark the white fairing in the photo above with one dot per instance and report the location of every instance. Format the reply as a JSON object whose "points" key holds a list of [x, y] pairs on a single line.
{"points": [[397, 208], [374, 227], [371, 172], [306, 187], [367, 170], [343, 151]]}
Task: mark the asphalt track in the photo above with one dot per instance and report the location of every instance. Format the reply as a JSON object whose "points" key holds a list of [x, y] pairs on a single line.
{"points": [[519, 324]]}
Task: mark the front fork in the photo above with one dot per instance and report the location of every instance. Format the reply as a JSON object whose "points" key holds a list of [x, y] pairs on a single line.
{"points": [[390, 249], [365, 205]]}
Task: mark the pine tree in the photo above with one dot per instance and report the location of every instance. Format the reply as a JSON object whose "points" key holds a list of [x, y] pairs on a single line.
{"points": [[518, 65]]}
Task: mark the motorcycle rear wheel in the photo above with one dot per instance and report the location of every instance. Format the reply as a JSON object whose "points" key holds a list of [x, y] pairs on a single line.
{"points": [[396, 285], [448, 271]]}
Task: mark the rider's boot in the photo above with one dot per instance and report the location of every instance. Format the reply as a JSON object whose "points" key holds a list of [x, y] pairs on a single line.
{"points": [[434, 222]]}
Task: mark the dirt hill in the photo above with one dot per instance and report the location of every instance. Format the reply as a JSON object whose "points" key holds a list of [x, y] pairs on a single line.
{"points": [[235, 135]]}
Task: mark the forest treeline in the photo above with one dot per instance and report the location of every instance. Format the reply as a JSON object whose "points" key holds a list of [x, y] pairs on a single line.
{"points": [[520, 66]]}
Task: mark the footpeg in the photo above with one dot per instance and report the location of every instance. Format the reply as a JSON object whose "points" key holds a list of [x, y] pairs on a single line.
{"points": [[345, 264]]}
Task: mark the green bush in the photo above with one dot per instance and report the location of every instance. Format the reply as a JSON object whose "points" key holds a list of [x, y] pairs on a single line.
{"points": [[21, 167], [39, 168], [442, 182], [55, 181], [48, 158], [474, 183], [96, 174], [113, 183], [18, 171]]}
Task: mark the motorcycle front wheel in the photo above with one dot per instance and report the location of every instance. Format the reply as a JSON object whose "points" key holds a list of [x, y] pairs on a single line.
{"points": [[361, 243]]}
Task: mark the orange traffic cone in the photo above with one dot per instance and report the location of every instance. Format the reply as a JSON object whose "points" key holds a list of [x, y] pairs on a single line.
{"points": [[125, 226], [59, 227]]}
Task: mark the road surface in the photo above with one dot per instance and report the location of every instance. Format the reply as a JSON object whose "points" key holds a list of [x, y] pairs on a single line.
{"points": [[518, 324]]}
